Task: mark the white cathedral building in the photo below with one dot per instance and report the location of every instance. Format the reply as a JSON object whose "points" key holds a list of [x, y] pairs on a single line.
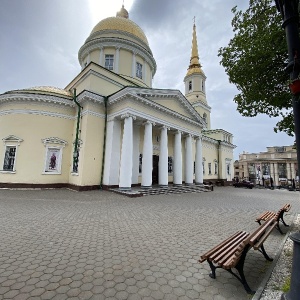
{"points": [[109, 127]]}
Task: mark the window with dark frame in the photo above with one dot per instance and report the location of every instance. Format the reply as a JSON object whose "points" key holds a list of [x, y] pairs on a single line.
{"points": [[140, 163], [109, 61], [139, 70], [170, 164], [9, 158], [209, 168]]}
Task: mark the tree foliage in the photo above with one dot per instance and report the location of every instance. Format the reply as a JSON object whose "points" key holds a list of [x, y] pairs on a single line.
{"points": [[255, 61]]}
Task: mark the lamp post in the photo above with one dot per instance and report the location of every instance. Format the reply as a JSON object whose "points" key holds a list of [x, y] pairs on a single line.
{"points": [[290, 15]]}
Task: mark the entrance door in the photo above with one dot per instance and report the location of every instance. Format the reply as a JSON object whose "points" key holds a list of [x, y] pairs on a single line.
{"points": [[155, 169]]}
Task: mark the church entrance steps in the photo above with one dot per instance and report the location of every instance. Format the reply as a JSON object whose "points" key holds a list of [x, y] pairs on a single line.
{"points": [[156, 190]]}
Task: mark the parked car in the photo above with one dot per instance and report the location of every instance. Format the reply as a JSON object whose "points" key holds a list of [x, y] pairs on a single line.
{"points": [[244, 183]]}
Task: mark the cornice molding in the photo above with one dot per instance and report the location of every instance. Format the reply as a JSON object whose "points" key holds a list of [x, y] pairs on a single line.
{"points": [[134, 94], [12, 139], [87, 96], [159, 122], [92, 113], [36, 98], [97, 35], [36, 112], [54, 140], [98, 43], [201, 104]]}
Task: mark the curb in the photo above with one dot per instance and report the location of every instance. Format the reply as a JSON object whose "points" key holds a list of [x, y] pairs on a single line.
{"points": [[268, 274]]}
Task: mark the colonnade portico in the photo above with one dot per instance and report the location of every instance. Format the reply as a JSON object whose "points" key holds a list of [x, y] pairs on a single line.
{"points": [[126, 155]]}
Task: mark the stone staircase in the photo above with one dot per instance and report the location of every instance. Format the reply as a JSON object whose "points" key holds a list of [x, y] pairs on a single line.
{"points": [[170, 189]]}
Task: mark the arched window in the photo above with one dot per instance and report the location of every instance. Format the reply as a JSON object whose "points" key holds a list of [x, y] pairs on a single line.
{"points": [[190, 85]]}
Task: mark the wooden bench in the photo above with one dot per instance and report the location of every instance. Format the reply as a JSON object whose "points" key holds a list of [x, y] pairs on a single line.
{"points": [[231, 253], [278, 216]]}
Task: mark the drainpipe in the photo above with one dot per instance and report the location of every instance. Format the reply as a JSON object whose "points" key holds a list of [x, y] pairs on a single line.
{"points": [[104, 142], [75, 154], [219, 148]]}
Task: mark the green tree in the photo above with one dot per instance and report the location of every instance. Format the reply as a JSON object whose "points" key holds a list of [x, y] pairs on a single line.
{"points": [[255, 59]]}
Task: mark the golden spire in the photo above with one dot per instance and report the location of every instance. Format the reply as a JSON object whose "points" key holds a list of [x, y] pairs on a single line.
{"points": [[195, 66]]}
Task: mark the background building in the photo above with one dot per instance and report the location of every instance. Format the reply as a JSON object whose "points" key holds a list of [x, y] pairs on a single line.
{"points": [[278, 163], [109, 127]]}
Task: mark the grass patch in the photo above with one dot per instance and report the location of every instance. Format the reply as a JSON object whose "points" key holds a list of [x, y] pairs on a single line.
{"points": [[287, 284]]}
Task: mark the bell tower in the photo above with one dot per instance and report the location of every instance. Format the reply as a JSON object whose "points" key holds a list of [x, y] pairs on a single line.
{"points": [[194, 82]]}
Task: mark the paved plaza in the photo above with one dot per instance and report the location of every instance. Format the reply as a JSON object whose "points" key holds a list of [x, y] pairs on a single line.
{"points": [[62, 244]]}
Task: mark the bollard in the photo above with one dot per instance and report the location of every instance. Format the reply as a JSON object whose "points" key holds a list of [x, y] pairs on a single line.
{"points": [[294, 292]]}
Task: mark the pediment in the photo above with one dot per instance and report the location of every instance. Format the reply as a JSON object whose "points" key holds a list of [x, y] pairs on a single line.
{"points": [[54, 140], [12, 138], [173, 100], [169, 101]]}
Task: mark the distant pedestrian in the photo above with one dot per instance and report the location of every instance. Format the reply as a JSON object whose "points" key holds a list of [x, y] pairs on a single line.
{"points": [[294, 185], [271, 180]]}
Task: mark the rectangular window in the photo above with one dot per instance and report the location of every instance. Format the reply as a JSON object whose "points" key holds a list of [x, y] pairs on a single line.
{"points": [[170, 164], [9, 158], [216, 168], [209, 168], [109, 61], [203, 166], [139, 70], [190, 86]]}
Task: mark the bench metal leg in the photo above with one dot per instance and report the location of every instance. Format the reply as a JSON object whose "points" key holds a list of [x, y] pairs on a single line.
{"points": [[213, 270], [278, 228], [239, 267], [242, 278], [263, 251]]}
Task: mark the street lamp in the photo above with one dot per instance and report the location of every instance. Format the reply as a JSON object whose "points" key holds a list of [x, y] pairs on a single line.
{"points": [[289, 10]]}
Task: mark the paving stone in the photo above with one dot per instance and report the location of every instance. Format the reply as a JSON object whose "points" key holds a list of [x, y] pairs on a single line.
{"points": [[139, 249]]}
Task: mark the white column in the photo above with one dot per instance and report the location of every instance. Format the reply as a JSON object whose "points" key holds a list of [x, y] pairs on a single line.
{"points": [[177, 169], [198, 163], [133, 65], [189, 163], [112, 153], [276, 176], [117, 60], [147, 160], [135, 154], [101, 57], [272, 171], [293, 170], [163, 157], [288, 169], [126, 153]]}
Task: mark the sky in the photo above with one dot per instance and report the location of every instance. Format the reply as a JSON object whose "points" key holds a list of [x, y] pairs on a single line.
{"points": [[40, 39]]}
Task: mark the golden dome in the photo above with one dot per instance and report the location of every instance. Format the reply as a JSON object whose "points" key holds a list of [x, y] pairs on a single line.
{"points": [[44, 89], [121, 23]]}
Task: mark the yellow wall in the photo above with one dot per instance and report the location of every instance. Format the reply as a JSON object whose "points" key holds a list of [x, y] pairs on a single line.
{"points": [[31, 154]]}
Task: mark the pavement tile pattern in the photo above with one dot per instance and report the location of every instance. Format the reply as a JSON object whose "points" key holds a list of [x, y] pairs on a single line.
{"points": [[61, 244]]}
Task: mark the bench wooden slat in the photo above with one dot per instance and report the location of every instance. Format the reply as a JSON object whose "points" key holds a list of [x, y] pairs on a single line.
{"points": [[264, 237], [232, 261], [208, 253], [259, 232], [228, 250]]}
